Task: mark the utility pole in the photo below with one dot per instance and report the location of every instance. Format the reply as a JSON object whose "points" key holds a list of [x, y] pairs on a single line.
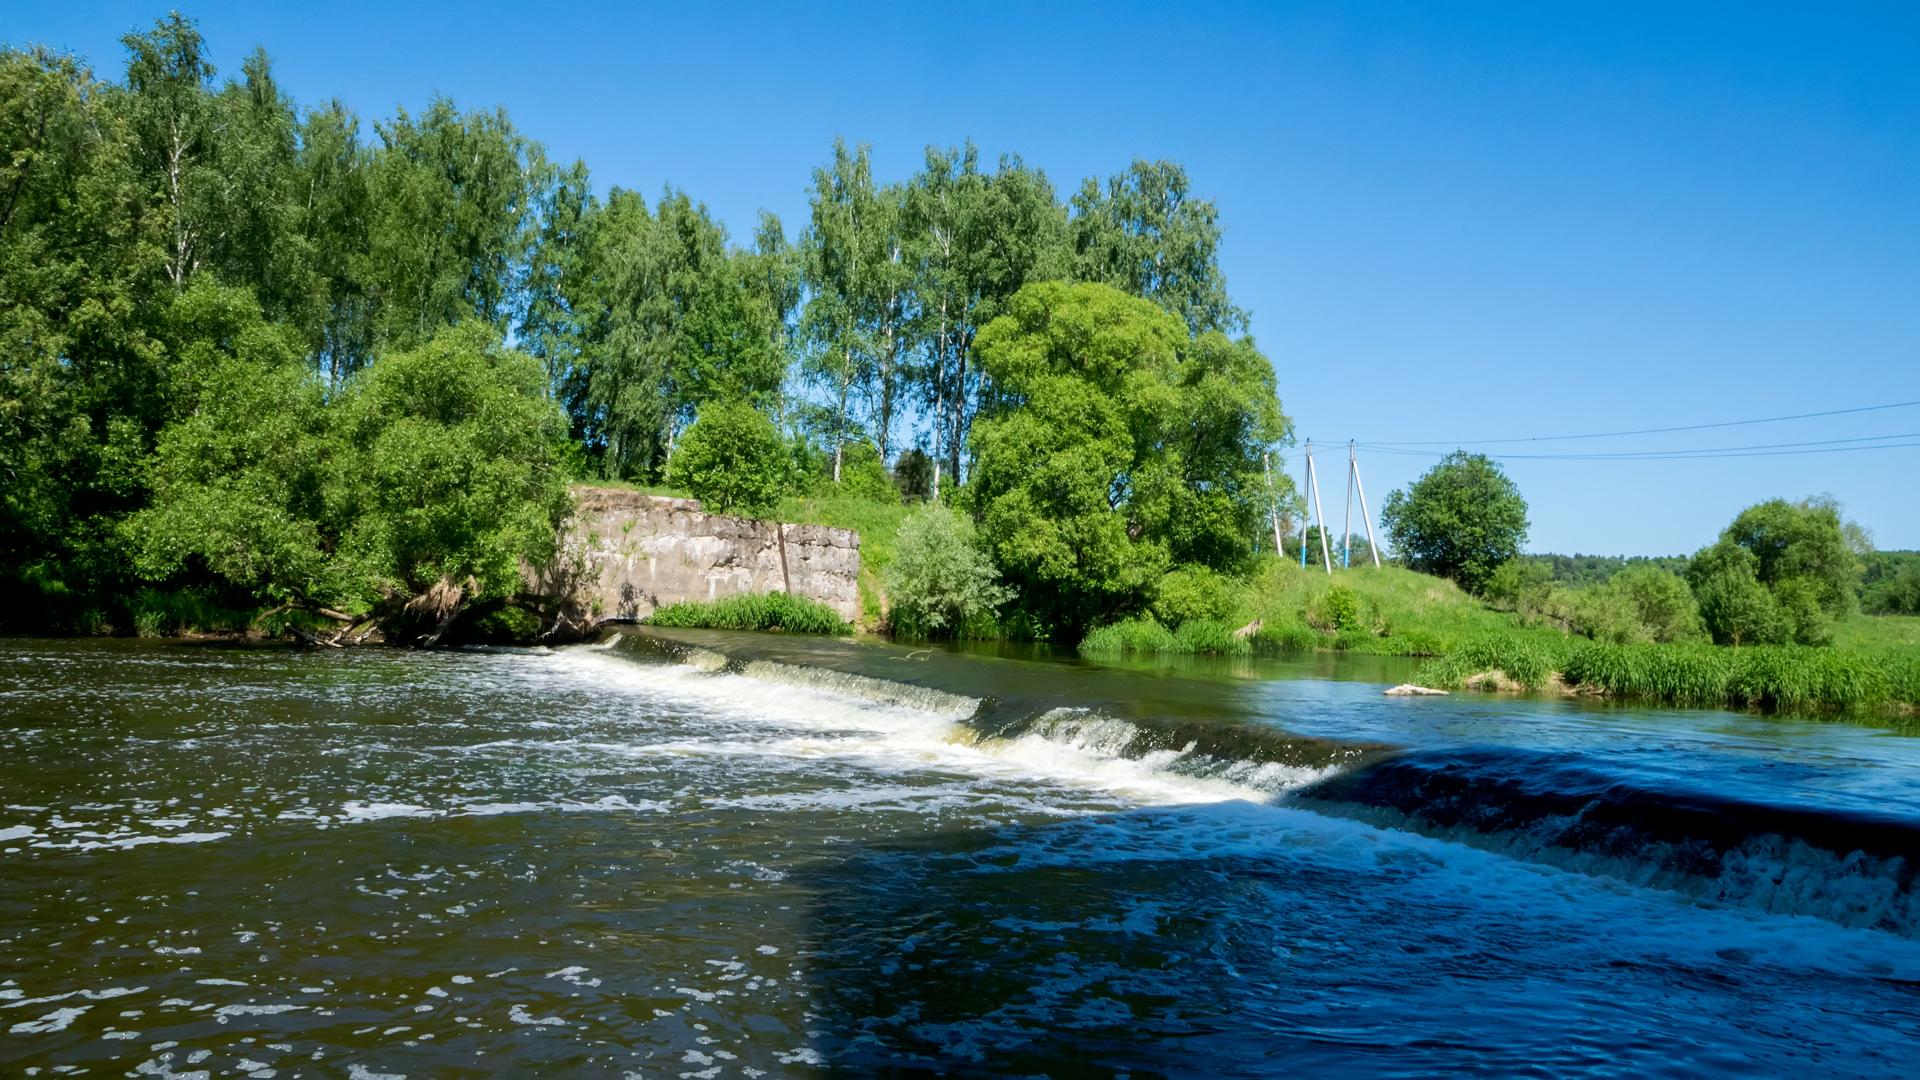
{"points": [[1346, 535], [1273, 505], [1372, 544], [1313, 482]]}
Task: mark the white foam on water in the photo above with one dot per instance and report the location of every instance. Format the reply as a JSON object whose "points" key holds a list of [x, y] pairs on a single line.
{"points": [[898, 727]]}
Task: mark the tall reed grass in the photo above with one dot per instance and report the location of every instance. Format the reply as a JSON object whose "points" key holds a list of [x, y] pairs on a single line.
{"points": [[774, 612]]}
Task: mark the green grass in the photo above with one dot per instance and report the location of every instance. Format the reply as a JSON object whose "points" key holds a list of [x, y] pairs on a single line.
{"points": [[1144, 635], [876, 522], [1386, 611], [1877, 631], [1796, 679], [773, 612]]}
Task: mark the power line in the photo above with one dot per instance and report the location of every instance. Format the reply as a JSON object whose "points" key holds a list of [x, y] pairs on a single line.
{"points": [[1828, 446], [1650, 431]]}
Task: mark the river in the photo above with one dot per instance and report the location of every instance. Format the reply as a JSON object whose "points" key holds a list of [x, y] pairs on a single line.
{"points": [[704, 855]]}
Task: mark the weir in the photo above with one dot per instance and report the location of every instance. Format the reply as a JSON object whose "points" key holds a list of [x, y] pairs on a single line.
{"points": [[1850, 867]]}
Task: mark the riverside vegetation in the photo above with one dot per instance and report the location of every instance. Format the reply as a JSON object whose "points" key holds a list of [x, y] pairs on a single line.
{"points": [[269, 369]]}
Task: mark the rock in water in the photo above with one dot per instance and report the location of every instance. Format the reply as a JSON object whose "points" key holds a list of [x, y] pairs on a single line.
{"points": [[1410, 690]]}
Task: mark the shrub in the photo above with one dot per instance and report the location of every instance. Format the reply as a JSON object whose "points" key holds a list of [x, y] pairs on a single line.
{"points": [[940, 581], [863, 475], [776, 612], [732, 459], [1192, 592], [1148, 636], [1735, 607]]}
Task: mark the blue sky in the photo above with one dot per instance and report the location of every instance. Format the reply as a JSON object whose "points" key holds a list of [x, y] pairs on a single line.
{"points": [[1451, 221]]}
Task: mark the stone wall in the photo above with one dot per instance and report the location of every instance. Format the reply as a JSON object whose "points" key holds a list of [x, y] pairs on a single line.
{"points": [[639, 552]]}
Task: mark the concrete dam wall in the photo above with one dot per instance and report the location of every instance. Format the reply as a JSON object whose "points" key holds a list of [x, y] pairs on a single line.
{"points": [[638, 552]]}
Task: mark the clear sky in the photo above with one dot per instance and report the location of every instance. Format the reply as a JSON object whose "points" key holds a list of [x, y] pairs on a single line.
{"points": [[1450, 221]]}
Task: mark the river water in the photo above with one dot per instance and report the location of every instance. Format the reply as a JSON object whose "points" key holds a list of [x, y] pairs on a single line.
{"points": [[707, 855]]}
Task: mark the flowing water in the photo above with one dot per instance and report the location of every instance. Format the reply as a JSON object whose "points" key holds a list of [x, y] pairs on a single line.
{"points": [[718, 855]]}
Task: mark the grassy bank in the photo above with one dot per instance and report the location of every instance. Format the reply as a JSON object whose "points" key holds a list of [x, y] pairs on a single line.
{"points": [[1776, 678], [1386, 611]]}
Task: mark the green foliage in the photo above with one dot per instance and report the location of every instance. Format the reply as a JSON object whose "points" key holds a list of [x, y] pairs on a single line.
{"points": [[1528, 660], [1359, 554], [1805, 541], [1641, 603], [939, 580], [1735, 607], [1145, 233], [1146, 635], [1119, 448], [732, 459], [1461, 520], [1579, 571], [913, 475], [1188, 593], [1891, 584], [862, 476], [435, 469], [447, 474], [773, 612]]}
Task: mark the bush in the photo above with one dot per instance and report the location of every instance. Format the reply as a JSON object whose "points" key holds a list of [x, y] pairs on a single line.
{"points": [[939, 581], [732, 459], [1192, 592], [774, 612], [864, 476]]}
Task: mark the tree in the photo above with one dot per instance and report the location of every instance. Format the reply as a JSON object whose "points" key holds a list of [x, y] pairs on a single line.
{"points": [[940, 581], [1461, 520], [448, 480], [978, 238], [1146, 234], [1114, 447], [1806, 540], [1735, 607], [732, 459]]}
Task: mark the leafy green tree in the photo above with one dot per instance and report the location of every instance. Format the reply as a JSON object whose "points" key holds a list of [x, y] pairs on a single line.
{"points": [[1145, 233], [659, 318], [239, 481], [1461, 520], [940, 581], [452, 199], [1806, 541], [1735, 607], [733, 460], [448, 479], [1116, 446], [853, 255]]}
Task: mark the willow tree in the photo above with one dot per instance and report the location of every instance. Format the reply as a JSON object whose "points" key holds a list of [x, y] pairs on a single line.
{"points": [[1117, 447]]}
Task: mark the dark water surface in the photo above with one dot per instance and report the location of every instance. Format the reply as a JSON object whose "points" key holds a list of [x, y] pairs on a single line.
{"points": [[712, 855]]}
